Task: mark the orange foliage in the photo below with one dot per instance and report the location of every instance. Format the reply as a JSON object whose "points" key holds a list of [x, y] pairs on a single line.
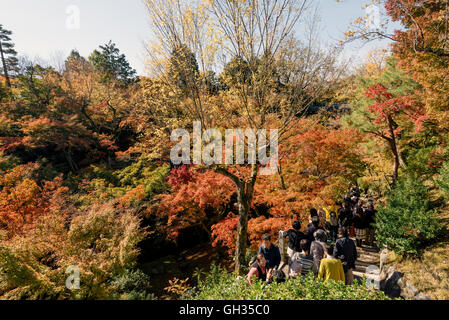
{"points": [[22, 200], [317, 165], [191, 197]]}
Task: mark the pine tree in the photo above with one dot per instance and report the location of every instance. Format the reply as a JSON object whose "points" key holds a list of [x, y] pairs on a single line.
{"points": [[113, 64], [408, 221], [7, 53]]}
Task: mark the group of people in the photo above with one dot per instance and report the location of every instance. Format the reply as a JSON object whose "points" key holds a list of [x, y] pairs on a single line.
{"points": [[319, 249], [358, 218]]}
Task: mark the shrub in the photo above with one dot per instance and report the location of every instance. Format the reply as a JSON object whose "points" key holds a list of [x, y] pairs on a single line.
{"points": [[102, 242], [407, 222], [219, 284], [132, 285], [443, 179]]}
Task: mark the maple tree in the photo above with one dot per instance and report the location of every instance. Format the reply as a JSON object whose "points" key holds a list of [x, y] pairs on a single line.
{"points": [[420, 46], [385, 107], [23, 200], [280, 81]]}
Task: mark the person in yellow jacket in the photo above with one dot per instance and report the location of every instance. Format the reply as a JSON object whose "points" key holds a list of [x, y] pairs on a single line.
{"points": [[329, 209], [331, 267]]}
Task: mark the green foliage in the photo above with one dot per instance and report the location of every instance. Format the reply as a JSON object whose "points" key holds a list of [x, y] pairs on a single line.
{"points": [[218, 284], [36, 88], [183, 69], [417, 160], [407, 222], [443, 179], [113, 65], [105, 184], [236, 73], [8, 162], [132, 285]]}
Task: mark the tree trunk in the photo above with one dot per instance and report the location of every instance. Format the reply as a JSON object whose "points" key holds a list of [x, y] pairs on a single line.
{"points": [[397, 159], [242, 228], [283, 187], [395, 163], [245, 192], [72, 164], [5, 67]]}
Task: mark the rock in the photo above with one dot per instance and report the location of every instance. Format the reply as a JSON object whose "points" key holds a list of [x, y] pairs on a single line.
{"points": [[394, 284], [411, 290], [421, 296], [391, 285]]}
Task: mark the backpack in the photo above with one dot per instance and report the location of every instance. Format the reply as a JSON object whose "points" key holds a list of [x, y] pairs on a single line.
{"points": [[279, 276], [295, 266]]}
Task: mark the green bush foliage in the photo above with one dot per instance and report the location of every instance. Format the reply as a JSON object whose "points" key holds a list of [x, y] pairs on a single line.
{"points": [[132, 285], [407, 222], [443, 179], [218, 284]]}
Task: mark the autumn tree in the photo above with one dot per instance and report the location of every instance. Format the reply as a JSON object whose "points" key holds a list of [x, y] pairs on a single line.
{"points": [[384, 107], [282, 81], [421, 46], [73, 113], [24, 198], [102, 104]]}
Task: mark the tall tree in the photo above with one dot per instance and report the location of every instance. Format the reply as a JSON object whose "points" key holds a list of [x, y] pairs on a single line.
{"points": [[8, 54], [421, 46], [384, 107], [261, 34], [110, 62]]}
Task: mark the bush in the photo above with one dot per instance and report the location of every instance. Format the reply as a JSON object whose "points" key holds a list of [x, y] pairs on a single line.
{"points": [[102, 242], [132, 285], [407, 222], [219, 284], [443, 180]]}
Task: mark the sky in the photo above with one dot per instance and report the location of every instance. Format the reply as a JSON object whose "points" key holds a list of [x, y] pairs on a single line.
{"points": [[45, 29]]}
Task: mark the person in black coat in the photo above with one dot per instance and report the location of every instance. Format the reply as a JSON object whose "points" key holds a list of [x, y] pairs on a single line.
{"points": [[314, 226], [294, 238], [346, 251], [359, 223], [344, 215], [370, 214]]}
